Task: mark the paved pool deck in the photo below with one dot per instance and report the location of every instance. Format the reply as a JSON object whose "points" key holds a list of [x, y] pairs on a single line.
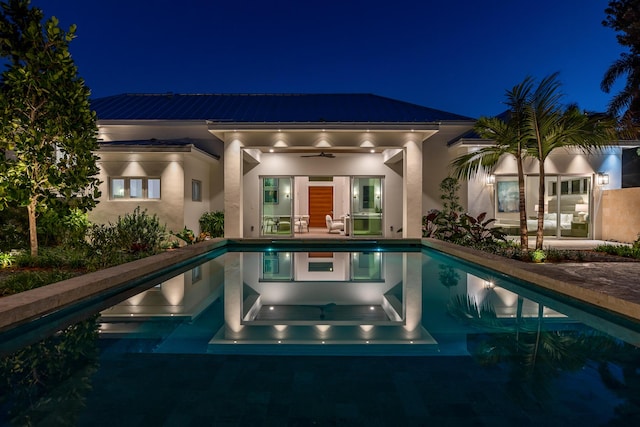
{"points": [[614, 286]]}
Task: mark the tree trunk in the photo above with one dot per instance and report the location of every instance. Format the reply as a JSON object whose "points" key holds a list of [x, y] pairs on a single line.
{"points": [[541, 191], [522, 208], [33, 230]]}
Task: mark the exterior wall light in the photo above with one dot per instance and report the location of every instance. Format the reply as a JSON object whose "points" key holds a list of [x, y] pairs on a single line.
{"points": [[602, 178], [490, 180]]}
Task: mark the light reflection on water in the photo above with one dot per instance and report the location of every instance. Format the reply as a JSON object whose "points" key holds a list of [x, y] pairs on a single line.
{"points": [[357, 303]]}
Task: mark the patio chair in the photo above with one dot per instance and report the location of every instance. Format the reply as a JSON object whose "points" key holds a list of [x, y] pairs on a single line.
{"points": [[333, 226], [301, 223]]}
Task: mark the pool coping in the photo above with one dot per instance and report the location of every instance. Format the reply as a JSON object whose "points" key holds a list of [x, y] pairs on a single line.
{"points": [[32, 304], [36, 303], [564, 279]]}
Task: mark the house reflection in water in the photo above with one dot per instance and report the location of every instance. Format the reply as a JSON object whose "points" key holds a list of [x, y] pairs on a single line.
{"points": [[328, 298], [330, 303]]}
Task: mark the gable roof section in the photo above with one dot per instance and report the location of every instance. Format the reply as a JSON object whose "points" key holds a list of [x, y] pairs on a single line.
{"points": [[267, 108]]}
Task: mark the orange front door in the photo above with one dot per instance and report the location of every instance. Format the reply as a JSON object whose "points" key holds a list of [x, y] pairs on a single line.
{"points": [[320, 205]]}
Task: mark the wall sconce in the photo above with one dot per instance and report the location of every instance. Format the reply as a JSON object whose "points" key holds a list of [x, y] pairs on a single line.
{"points": [[602, 178], [490, 180]]}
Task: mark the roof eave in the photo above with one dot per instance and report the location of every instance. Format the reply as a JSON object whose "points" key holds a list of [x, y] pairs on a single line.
{"points": [[334, 126]]}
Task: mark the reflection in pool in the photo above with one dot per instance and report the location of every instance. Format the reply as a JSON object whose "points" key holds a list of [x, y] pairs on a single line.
{"points": [[478, 331]]}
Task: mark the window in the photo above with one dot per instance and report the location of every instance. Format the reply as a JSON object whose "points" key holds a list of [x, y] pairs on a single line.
{"points": [[196, 190], [135, 188]]}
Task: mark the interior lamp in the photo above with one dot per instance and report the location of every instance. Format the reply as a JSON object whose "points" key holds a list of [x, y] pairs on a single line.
{"points": [[537, 208], [602, 178], [582, 209]]}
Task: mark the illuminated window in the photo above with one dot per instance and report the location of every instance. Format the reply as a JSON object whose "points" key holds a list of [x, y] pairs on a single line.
{"points": [[135, 188]]}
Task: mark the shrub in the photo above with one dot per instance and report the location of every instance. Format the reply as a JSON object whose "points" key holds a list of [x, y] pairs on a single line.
{"points": [[187, 235], [25, 280], [140, 232], [620, 250], [53, 258], [56, 227], [132, 236], [14, 229], [462, 229], [212, 223]]}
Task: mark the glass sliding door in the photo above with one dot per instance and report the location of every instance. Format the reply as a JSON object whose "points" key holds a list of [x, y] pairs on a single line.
{"points": [[566, 206], [366, 208], [574, 206], [277, 207]]}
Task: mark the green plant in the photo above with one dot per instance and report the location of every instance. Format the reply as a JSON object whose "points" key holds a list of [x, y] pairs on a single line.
{"points": [[56, 257], [449, 188], [212, 223], [538, 256], [620, 250], [462, 229], [25, 280], [187, 235], [140, 232], [62, 226], [6, 259], [133, 236], [14, 228]]}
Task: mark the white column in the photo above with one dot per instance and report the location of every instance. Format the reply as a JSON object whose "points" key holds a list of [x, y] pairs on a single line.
{"points": [[233, 212], [412, 189]]}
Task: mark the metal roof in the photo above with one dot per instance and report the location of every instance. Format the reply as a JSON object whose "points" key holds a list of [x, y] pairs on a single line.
{"points": [[267, 108], [162, 143]]}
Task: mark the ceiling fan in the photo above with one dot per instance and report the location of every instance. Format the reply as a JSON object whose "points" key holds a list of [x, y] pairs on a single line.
{"points": [[321, 154]]}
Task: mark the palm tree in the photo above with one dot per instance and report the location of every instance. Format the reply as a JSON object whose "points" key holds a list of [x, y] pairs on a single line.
{"points": [[551, 127], [510, 137], [626, 103], [623, 17]]}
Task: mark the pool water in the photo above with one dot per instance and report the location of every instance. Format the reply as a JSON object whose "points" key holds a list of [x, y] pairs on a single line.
{"points": [[327, 337]]}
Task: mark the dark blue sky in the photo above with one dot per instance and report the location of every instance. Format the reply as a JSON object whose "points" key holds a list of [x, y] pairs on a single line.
{"points": [[455, 55]]}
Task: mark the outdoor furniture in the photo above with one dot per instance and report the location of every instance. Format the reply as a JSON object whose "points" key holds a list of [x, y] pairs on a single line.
{"points": [[334, 226], [302, 223]]}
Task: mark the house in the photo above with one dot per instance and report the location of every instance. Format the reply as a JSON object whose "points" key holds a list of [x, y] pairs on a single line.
{"points": [[279, 163]]}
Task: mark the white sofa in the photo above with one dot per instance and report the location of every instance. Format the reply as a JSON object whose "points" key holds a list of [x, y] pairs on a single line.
{"points": [[550, 222]]}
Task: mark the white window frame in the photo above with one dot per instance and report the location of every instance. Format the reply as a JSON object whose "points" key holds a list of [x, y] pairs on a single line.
{"points": [[127, 187]]}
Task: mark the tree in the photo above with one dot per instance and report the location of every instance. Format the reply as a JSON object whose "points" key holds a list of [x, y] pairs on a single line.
{"points": [[550, 126], [510, 137], [623, 16], [47, 129]]}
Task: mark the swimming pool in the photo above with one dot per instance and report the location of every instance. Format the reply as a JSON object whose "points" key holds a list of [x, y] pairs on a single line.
{"points": [[286, 337]]}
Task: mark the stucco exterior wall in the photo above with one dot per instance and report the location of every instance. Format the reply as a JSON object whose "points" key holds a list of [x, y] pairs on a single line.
{"points": [[621, 214], [197, 167], [168, 166], [345, 164]]}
